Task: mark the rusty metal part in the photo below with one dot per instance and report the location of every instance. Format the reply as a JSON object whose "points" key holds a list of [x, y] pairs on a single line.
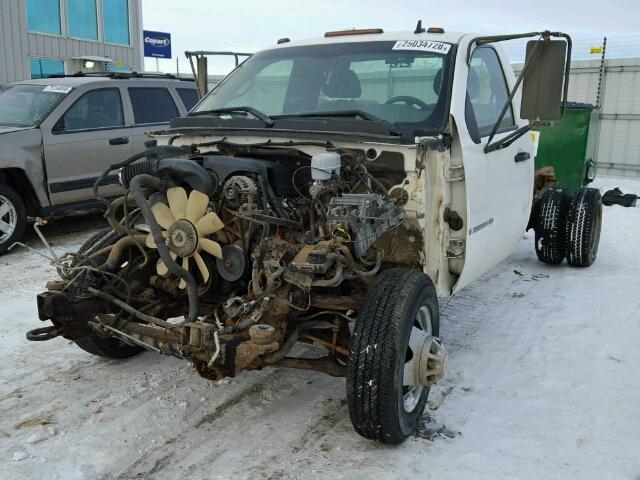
{"points": [[544, 177], [453, 219], [318, 364], [262, 334], [168, 284], [247, 355], [329, 302], [402, 246], [330, 346]]}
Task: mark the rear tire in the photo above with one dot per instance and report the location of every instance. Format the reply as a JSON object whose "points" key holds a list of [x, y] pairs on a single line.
{"points": [[13, 217], [583, 227], [379, 350], [550, 225], [103, 346]]}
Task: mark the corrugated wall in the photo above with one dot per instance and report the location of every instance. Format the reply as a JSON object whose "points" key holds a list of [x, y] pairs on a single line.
{"points": [[619, 138], [17, 44]]}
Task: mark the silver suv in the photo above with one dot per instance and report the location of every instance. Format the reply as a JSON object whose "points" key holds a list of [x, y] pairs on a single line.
{"points": [[58, 134]]}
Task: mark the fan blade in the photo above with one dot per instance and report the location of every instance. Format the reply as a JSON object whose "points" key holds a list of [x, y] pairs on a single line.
{"points": [[177, 197], [163, 215], [209, 224], [162, 268], [150, 242], [210, 247], [196, 206], [204, 271], [185, 265]]}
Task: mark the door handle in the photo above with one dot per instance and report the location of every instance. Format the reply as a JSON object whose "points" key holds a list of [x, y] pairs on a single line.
{"points": [[119, 141], [522, 157]]}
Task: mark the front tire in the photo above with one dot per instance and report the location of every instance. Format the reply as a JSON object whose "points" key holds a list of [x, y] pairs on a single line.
{"points": [[583, 227], [399, 313], [93, 343], [13, 217]]}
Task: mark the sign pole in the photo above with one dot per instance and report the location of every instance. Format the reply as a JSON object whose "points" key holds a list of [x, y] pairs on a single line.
{"points": [[157, 65]]}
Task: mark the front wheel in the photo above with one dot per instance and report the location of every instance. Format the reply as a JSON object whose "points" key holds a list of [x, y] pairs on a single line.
{"points": [[93, 343], [395, 356]]}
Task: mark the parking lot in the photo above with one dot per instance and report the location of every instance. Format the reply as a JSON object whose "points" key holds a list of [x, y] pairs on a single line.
{"points": [[542, 383]]}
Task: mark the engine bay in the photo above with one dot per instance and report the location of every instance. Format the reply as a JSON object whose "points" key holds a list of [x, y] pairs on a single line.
{"points": [[230, 259]]}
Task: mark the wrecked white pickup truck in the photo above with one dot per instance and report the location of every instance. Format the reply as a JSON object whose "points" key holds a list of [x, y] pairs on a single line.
{"points": [[327, 192]]}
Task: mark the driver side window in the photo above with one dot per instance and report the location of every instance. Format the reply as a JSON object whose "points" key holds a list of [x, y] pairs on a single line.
{"points": [[97, 109], [487, 93]]}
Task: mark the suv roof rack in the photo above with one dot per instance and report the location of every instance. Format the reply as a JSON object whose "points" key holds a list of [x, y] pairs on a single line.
{"points": [[122, 75]]}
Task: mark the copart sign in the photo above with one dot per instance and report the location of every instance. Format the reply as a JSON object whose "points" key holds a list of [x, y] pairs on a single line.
{"points": [[157, 44]]}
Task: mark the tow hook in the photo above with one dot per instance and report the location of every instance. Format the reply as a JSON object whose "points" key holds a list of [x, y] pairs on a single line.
{"points": [[44, 333]]}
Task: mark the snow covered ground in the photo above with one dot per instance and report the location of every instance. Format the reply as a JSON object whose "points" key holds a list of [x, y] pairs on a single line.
{"points": [[543, 382]]}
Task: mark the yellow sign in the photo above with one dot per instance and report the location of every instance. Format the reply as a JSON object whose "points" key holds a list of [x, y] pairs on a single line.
{"points": [[119, 63], [595, 50]]}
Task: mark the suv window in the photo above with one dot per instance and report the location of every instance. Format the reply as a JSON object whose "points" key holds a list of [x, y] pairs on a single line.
{"points": [[487, 93], [189, 97], [95, 109], [152, 105]]}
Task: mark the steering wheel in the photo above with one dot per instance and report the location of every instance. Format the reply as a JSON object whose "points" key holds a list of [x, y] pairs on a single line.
{"points": [[410, 101]]}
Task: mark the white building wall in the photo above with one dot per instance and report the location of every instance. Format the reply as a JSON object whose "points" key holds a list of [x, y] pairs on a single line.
{"points": [[18, 44], [619, 138]]}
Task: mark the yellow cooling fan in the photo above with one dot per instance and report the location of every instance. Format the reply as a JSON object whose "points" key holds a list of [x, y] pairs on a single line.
{"points": [[186, 227]]}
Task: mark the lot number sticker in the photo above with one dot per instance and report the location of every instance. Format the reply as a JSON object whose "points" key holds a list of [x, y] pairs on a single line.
{"points": [[57, 89], [423, 45]]}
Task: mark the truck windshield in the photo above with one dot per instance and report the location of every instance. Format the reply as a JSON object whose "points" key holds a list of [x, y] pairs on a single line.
{"points": [[400, 83], [28, 105]]}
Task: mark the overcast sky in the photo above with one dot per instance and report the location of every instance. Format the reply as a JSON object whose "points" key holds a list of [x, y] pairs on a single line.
{"points": [[252, 25]]}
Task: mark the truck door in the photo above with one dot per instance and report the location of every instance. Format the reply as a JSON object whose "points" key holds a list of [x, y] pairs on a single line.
{"points": [[87, 138], [499, 183]]}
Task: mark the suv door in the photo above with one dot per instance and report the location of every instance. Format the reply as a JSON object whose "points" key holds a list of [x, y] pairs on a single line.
{"points": [[153, 108], [499, 183], [91, 135]]}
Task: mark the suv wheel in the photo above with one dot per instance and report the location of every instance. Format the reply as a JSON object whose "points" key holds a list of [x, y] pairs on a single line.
{"points": [[13, 217]]}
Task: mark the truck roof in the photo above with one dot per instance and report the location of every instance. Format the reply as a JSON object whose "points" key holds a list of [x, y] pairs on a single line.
{"points": [[348, 37]]}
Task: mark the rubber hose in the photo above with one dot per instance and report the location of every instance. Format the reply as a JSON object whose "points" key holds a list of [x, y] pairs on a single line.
{"points": [[137, 189]]}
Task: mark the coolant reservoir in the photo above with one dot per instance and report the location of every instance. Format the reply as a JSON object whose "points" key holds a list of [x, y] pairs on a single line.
{"points": [[325, 165]]}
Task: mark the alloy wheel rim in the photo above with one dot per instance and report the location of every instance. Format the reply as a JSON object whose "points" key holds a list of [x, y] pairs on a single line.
{"points": [[422, 327], [8, 218]]}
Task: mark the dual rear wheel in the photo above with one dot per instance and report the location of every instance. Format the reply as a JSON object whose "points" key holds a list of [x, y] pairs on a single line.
{"points": [[567, 227]]}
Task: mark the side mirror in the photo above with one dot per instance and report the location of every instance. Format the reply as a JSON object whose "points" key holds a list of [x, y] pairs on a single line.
{"points": [[543, 85]]}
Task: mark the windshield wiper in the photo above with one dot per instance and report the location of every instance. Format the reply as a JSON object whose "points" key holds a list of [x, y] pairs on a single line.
{"points": [[347, 114], [263, 117]]}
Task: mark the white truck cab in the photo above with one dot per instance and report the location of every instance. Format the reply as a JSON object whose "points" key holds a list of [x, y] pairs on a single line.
{"points": [[488, 192], [328, 192]]}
